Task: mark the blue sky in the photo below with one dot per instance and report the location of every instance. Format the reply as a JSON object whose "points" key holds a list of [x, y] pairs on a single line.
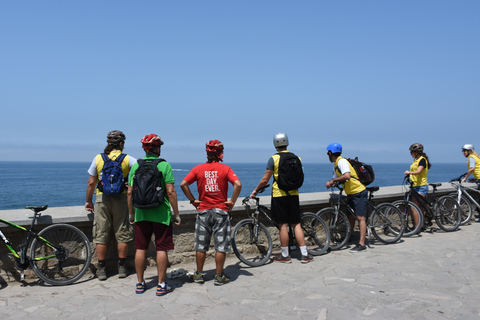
{"points": [[374, 76]]}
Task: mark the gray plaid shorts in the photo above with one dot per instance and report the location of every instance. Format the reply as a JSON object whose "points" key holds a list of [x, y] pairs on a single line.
{"points": [[214, 222]]}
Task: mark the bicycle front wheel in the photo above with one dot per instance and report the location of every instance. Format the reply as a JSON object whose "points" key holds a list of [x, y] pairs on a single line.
{"points": [[315, 230], [410, 213], [251, 243], [338, 225], [387, 223], [448, 214], [465, 207], [61, 254]]}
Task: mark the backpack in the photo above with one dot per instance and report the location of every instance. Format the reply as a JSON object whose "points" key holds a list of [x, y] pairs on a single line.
{"points": [[112, 182], [364, 171], [148, 192], [290, 172]]}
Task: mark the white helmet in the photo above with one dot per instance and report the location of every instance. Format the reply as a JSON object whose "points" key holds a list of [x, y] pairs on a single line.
{"points": [[468, 147], [280, 140]]}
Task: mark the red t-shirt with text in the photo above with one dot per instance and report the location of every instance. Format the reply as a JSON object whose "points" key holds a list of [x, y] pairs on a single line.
{"points": [[212, 184]]}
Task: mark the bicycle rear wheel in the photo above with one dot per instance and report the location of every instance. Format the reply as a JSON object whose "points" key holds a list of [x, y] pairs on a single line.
{"points": [[448, 214], [465, 207], [251, 243], [411, 211], [338, 225], [61, 254], [315, 230], [387, 223]]}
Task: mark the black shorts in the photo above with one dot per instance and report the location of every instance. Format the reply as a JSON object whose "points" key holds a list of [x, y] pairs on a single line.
{"points": [[286, 210]]}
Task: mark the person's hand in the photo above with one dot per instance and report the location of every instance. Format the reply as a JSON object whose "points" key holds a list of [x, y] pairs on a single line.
{"points": [[254, 194], [132, 218], [176, 219], [407, 173], [89, 206], [229, 204], [329, 184]]}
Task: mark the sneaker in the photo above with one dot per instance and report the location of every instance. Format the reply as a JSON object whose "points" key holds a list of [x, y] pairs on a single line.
{"points": [[358, 248], [140, 287], [477, 220], [122, 271], [306, 259], [280, 258], [163, 291], [221, 279], [101, 273], [197, 277]]}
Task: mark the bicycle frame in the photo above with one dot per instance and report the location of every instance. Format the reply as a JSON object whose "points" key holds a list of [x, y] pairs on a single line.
{"points": [[22, 256], [463, 190], [370, 207]]}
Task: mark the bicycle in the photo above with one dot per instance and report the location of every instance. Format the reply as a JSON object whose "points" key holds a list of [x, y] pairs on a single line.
{"points": [[464, 198], [252, 242], [60, 254], [384, 221], [446, 210]]}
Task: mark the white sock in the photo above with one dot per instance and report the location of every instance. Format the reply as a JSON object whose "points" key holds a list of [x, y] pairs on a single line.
{"points": [[304, 251], [284, 252], [162, 285]]}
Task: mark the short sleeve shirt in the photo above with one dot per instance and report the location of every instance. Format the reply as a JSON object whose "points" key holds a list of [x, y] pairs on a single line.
{"points": [[161, 214], [212, 184]]}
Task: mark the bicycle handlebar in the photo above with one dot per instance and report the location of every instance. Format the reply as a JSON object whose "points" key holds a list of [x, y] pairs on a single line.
{"points": [[247, 198], [459, 178]]}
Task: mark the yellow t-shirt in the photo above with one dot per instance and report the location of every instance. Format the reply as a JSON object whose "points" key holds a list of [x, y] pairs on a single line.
{"points": [[419, 179]]}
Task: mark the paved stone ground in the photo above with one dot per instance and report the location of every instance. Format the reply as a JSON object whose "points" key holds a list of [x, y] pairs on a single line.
{"points": [[432, 276]]}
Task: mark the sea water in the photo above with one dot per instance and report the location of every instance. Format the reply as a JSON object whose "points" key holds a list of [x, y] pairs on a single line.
{"points": [[61, 184]]}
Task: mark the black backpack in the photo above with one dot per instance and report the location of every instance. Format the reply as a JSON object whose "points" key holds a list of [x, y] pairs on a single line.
{"points": [[290, 172], [112, 181], [365, 172], [148, 192]]}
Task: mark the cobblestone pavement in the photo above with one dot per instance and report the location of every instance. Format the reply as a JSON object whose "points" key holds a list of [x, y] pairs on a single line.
{"points": [[432, 276]]}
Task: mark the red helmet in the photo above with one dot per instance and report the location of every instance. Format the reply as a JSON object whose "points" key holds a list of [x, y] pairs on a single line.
{"points": [[151, 141], [214, 147]]}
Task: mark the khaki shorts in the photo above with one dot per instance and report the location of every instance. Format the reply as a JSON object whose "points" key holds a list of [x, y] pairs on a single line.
{"points": [[111, 213]]}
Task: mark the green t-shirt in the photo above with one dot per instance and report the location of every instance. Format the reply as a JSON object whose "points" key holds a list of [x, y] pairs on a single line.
{"points": [[161, 214]]}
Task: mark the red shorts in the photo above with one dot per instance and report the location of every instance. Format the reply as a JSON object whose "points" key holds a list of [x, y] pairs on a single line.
{"points": [[163, 235]]}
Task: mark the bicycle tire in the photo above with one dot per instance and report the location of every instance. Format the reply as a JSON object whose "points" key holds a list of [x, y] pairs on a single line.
{"points": [[387, 223], [466, 207], [339, 229], [410, 228], [447, 213], [68, 264], [316, 233], [253, 246]]}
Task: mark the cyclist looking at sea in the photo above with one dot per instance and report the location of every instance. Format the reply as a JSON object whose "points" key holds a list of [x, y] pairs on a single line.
{"points": [[418, 173], [473, 163], [357, 194]]}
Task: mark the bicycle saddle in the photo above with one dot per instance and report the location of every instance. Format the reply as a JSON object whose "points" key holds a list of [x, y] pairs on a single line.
{"points": [[37, 208]]}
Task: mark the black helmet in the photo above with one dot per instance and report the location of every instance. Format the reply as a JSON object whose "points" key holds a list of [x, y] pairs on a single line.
{"points": [[115, 137], [416, 147]]}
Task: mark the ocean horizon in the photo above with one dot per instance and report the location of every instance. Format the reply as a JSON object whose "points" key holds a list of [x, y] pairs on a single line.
{"points": [[62, 184]]}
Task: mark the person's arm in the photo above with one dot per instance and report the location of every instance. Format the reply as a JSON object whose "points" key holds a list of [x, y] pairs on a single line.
{"points": [[471, 168], [172, 198], [263, 182], [344, 177], [186, 190], [237, 187], [91, 185], [131, 209]]}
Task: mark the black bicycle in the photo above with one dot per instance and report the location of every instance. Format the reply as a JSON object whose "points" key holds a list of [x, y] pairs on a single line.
{"points": [[384, 220], [252, 242], [60, 254], [445, 210]]}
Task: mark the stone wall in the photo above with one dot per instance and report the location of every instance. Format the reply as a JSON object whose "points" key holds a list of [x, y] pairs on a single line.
{"points": [[183, 234]]}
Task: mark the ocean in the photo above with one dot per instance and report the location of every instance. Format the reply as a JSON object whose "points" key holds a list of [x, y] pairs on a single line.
{"points": [[61, 184]]}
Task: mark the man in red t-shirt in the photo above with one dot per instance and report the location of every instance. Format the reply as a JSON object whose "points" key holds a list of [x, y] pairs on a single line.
{"points": [[213, 207]]}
